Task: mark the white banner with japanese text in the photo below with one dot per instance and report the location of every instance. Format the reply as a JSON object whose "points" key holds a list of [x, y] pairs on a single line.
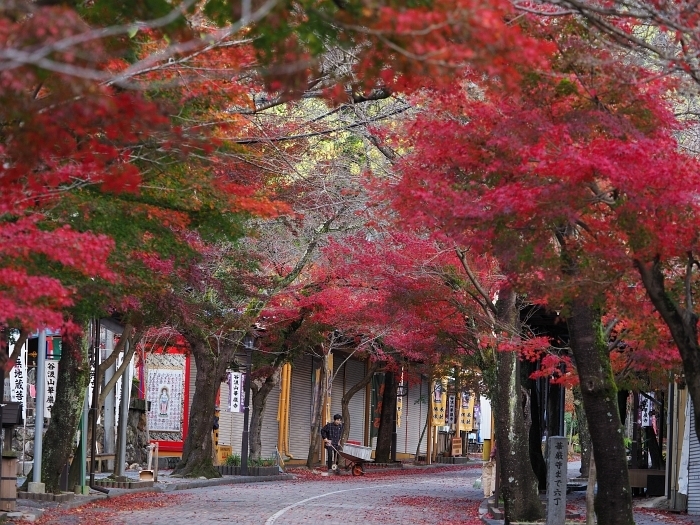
{"points": [[18, 379], [235, 391], [50, 384]]}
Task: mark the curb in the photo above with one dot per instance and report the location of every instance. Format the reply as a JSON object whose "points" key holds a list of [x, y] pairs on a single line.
{"points": [[31, 510], [408, 466], [201, 483]]}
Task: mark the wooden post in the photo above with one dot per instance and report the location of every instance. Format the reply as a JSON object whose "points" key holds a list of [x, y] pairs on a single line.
{"points": [[8, 483], [590, 493], [456, 447], [429, 438]]}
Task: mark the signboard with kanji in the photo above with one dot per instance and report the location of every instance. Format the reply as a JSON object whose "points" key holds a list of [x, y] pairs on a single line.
{"points": [[18, 379], [439, 397], [50, 384], [556, 480], [646, 407], [466, 412], [235, 391], [399, 410], [451, 412]]}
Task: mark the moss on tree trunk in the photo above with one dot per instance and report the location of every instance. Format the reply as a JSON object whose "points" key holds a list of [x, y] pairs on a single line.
{"points": [[319, 395], [584, 436], [259, 394], [518, 483], [613, 502], [197, 458]]}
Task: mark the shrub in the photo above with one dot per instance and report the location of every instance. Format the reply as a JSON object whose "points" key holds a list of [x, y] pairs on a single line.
{"points": [[262, 462], [234, 460]]}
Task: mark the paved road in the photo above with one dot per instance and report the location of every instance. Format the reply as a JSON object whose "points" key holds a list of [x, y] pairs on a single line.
{"points": [[444, 496]]}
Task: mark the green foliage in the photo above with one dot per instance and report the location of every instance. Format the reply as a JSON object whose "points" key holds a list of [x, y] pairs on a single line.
{"points": [[262, 462], [107, 12], [566, 87], [234, 460], [218, 11]]}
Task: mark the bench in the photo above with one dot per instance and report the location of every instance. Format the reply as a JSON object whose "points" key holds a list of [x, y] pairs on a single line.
{"points": [[100, 461]]}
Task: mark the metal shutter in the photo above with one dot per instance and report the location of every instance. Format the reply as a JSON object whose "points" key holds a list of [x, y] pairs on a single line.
{"points": [[355, 371], [693, 467], [412, 421], [340, 381], [346, 377], [300, 408], [230, 424], [414, 416], [270, 426]]}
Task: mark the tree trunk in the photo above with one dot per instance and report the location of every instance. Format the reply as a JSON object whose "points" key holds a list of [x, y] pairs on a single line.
{"points": [[584, 436], [518, 483], [613, 504], [622, 396], [539, 466], [555, 410], [657, 461], [260, 390], [382, 452], [73, 378], [347, 396], [682, 323], [211, 370], [74, 472], [318, 399]]}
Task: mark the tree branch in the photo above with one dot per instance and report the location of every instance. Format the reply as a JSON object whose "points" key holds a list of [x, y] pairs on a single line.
{"points": [[462, 256], [16, 351], [133, 342]]}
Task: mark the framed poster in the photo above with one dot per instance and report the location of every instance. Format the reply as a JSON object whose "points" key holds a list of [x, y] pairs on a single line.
{"points": [[165, 389]]}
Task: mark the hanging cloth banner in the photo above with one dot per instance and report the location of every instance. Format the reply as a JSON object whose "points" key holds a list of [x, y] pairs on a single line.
{"points": [[451, 412], [466, 412], [399, 403], [235, 389], [50, 385], [439, 393], [18, 379]]}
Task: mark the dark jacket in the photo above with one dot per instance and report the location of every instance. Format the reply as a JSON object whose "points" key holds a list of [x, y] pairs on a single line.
{"points": [[333, 432]]}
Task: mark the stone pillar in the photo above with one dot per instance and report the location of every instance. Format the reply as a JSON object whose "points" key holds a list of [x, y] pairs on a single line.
{"points": [[556, 480]]}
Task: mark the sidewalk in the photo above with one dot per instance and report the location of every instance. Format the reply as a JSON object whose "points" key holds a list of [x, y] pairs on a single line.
{"points": [[647, 511], [31, 510]]}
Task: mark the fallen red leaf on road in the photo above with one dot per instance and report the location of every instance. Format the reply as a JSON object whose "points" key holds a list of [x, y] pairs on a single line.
{"points": [[450, 511], [103, 511], [304, 474], [665, 515]]}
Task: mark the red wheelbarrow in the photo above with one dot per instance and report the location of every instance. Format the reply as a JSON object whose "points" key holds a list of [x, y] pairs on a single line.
{"points": [[353, 463]]}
